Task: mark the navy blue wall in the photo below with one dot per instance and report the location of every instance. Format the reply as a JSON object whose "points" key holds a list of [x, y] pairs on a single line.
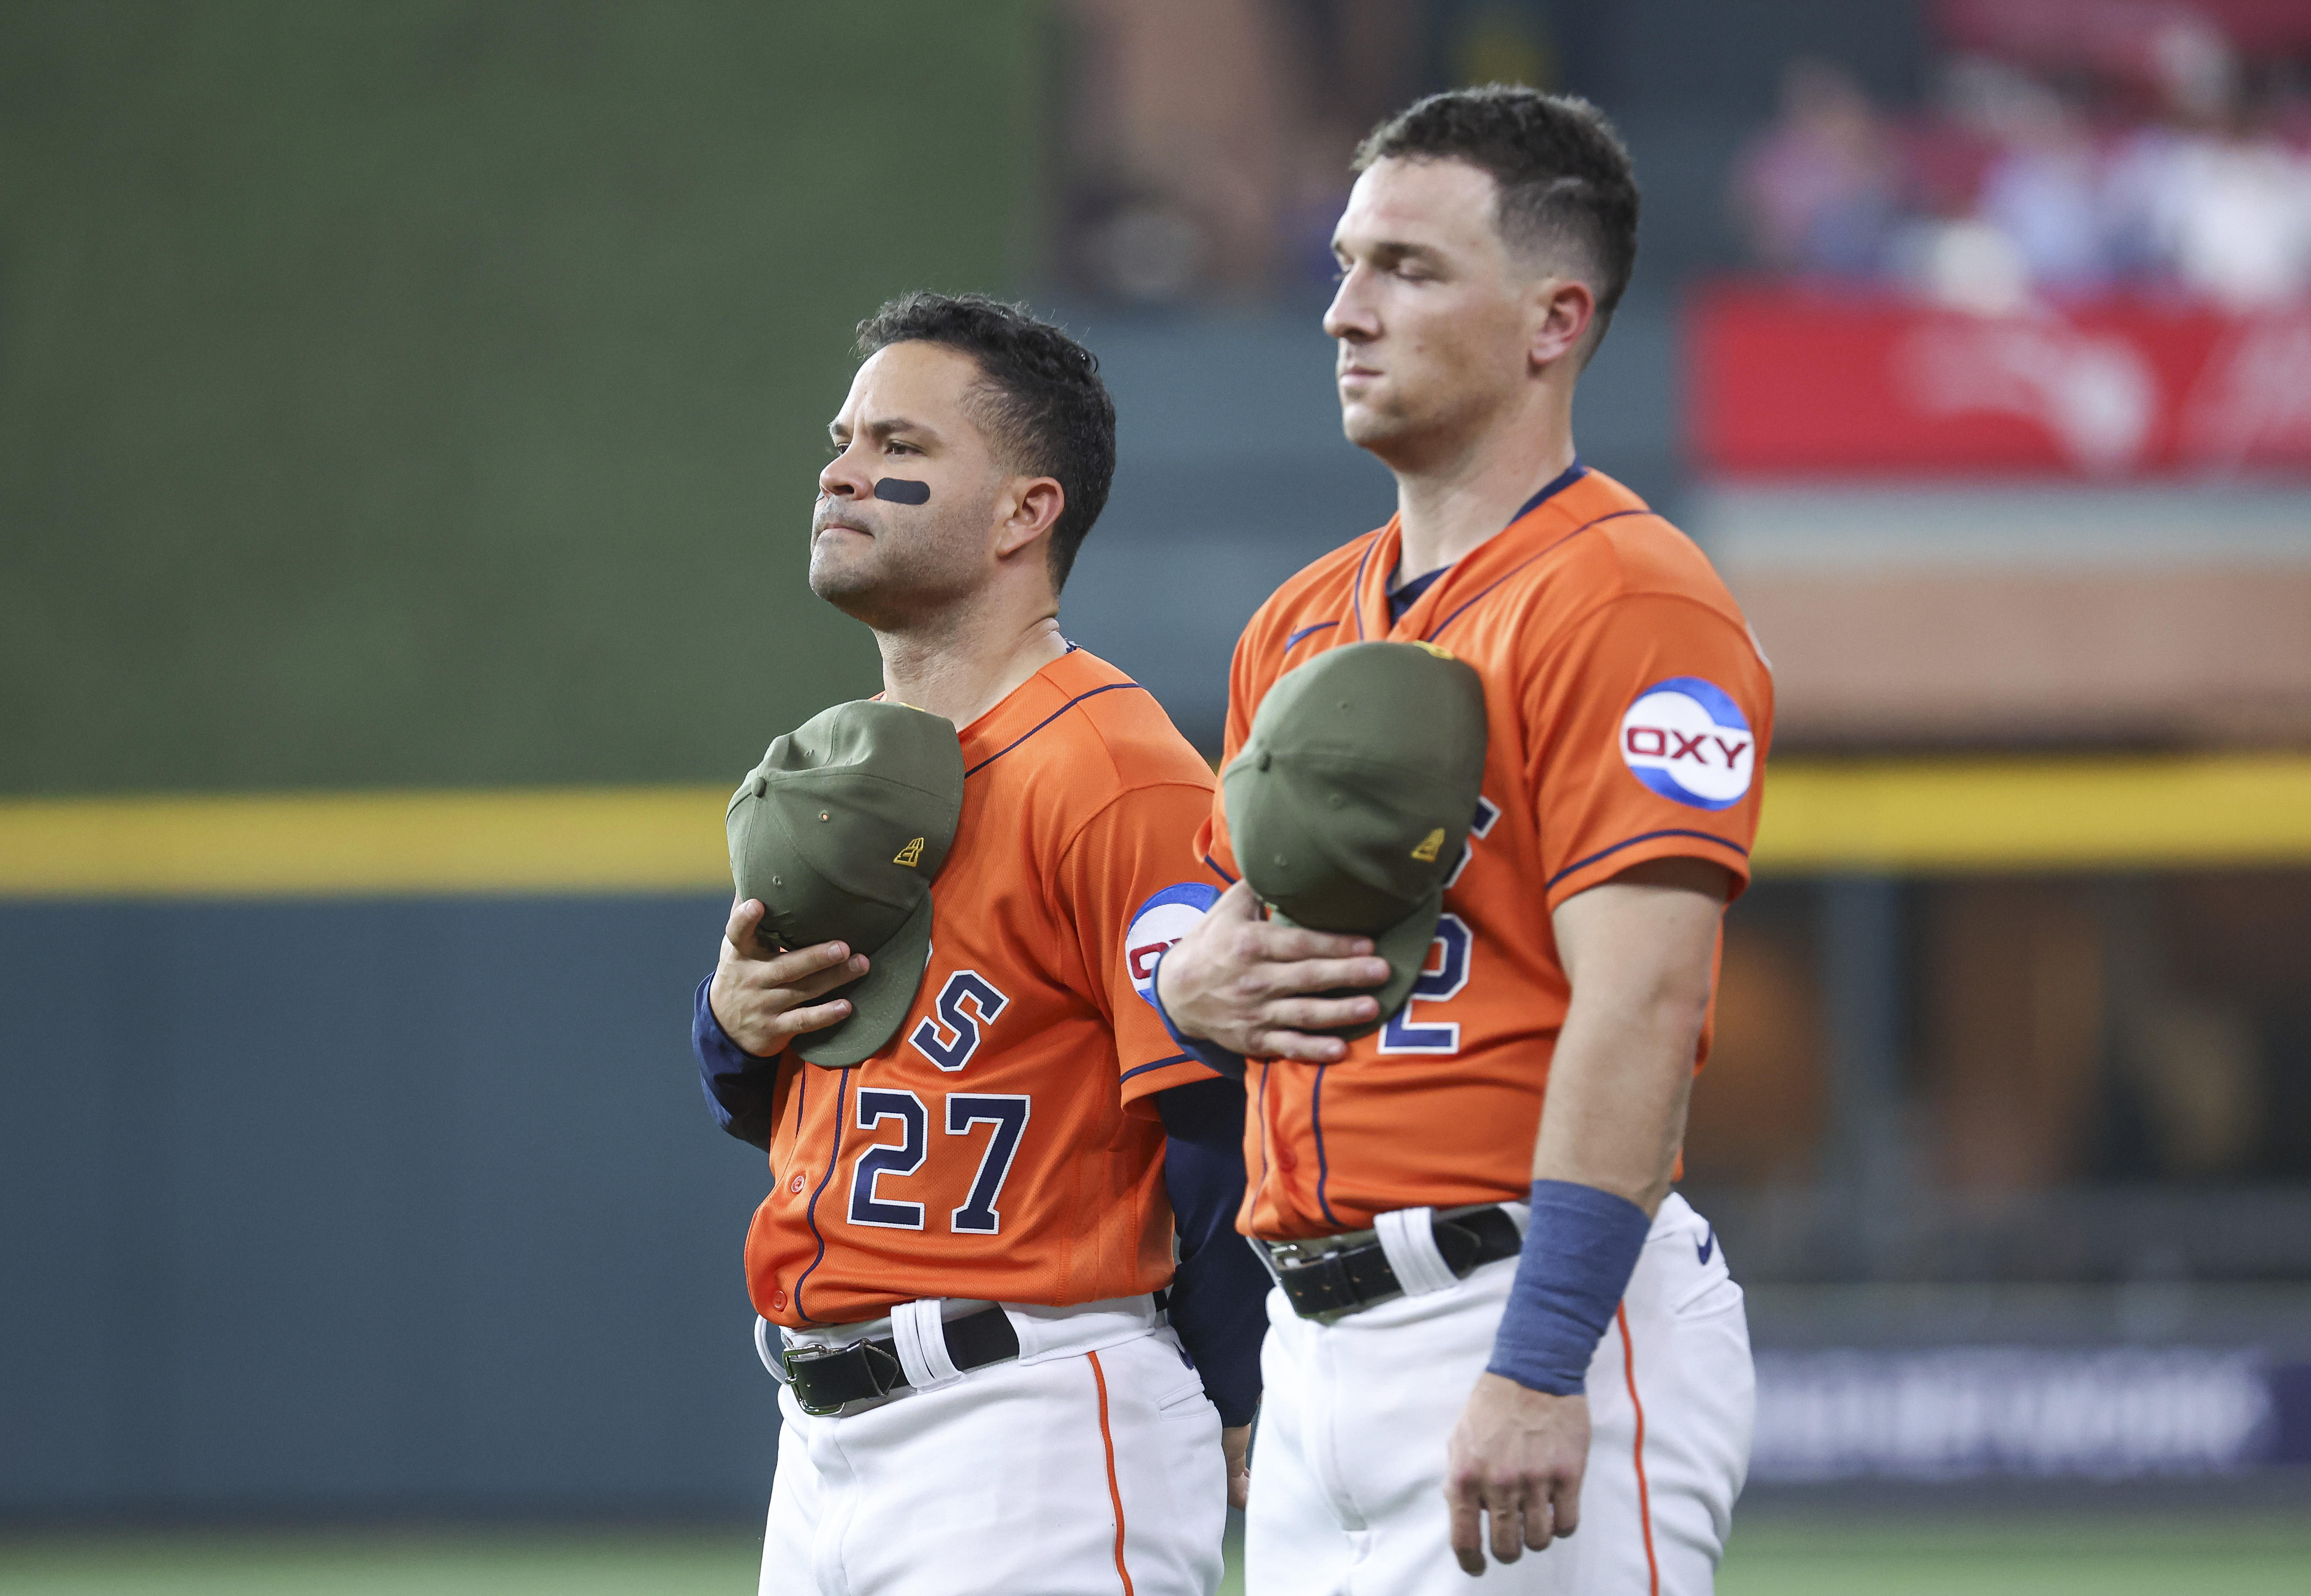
{"points": [[340, 1207]]}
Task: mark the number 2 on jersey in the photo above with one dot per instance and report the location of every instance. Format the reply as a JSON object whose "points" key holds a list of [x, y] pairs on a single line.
{"points": [[1452, 950], [1448, 974]]}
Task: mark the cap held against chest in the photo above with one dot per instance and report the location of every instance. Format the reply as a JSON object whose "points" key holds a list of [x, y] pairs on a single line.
{"points": [[1353, 795], [840, 831]]}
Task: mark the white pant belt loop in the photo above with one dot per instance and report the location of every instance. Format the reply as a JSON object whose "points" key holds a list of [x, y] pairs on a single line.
{"points": [[1407, 1239], [920, 1337]]}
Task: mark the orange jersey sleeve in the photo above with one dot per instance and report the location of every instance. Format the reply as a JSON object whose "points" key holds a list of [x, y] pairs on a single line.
{"points": [[1627, 715], [995, 1149], [1129, 899], [1639, 746]]}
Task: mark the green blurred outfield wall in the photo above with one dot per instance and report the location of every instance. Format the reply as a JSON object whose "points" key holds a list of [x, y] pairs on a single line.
{"points": [[429, 392]]}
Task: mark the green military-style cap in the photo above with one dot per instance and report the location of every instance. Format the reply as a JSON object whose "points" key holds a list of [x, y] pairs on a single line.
{"points": [[1353, 795], [838, 832]]}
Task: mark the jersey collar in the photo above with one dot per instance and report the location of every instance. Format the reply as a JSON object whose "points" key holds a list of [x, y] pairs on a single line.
{"points": [[1022, 711], [1571, 499]]}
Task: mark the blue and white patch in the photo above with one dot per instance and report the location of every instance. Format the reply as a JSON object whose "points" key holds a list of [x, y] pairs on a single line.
{"points": [[1687, 740], [1162, 920]]}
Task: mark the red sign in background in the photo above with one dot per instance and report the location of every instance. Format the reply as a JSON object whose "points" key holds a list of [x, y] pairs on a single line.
{"points": [[1791, 381]]}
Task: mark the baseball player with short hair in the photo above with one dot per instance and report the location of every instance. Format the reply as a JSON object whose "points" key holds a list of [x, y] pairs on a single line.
{"points": [[1002, 1196], [1487, 1292]]}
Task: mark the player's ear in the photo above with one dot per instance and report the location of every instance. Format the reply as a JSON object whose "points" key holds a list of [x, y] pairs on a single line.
{"points": [[1034, 506], [1563, 309]]}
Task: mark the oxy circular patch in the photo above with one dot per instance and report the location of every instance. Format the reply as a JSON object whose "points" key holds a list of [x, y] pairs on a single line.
{"points": [[1687, 740], [1159, 922]]}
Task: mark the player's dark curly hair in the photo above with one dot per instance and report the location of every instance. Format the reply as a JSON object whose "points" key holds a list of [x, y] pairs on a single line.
{"points": [[1040, 398], [1567, 189]]}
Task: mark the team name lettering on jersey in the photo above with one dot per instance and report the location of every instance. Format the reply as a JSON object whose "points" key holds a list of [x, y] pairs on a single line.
{"points": [[949, 1040], [1159, 922], [1687, 740], [1487, 812]]}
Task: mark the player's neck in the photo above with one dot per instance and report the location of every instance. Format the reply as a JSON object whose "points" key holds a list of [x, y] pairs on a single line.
{"points": [[1450, 504], [963, 663]]}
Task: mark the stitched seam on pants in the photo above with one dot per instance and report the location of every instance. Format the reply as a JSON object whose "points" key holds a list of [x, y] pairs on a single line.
{"points": [[1644, 1502], [1114, 1491]]}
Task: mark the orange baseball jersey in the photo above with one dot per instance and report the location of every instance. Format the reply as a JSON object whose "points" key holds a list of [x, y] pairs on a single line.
{"points": [[1000, 1145], [1628, 712]]}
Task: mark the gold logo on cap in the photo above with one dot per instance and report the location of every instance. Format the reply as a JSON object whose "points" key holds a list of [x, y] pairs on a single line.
{"points": [[912, 854], [1430, 847], [1436, 649]]}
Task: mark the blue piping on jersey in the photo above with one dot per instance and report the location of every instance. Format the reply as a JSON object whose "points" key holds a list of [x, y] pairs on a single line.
{"points": [[1261, 1184], [1557, 484], [810, 1214], [1307, 631], [1316, 1123], [1357, 587], [1216, 869], [1582, 864], [1159, 1064], [1521, 565], [1046, 720], [1404, 597]]}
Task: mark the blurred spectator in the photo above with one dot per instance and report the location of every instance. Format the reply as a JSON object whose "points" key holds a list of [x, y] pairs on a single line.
{"points": [[2226, 214], [1205, 147], [2042, 191], [2013, 192], [1178, 144], [1819, 192], [2205, 198]]}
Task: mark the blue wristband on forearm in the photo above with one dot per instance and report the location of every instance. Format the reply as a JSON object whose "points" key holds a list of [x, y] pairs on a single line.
{"points": [[1581, 1246]]}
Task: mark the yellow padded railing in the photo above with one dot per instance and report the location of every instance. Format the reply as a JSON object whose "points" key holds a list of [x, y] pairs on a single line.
{"points": [[1896, 816]]}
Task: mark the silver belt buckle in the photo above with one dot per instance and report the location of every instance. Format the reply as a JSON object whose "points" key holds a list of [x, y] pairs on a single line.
{"points": [[792, 1356]]}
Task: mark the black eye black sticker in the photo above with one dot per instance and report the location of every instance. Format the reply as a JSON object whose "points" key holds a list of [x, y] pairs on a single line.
{"points": [[900, 490]]}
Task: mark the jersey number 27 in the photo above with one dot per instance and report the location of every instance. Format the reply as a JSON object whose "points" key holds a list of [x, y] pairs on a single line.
{"points": [[962, 1111]]}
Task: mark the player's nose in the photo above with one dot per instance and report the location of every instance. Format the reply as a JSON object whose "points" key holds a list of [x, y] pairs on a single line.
{"points": [[842, 479], [1350, 314]]}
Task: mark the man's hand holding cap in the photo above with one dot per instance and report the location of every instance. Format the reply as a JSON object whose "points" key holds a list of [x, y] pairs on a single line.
{"points": [[839, 833], [1353, 796]]}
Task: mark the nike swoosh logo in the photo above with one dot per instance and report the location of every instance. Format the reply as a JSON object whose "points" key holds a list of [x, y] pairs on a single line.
{"points": [[1706, 1245]]}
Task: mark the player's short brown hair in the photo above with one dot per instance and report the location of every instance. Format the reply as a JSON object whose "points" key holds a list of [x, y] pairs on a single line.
{"points": [[1566, 188], [1039, 396]]}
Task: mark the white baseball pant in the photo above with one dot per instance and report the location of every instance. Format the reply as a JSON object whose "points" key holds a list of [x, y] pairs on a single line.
{"points": [[1347, 1475], [1088, 1466]]}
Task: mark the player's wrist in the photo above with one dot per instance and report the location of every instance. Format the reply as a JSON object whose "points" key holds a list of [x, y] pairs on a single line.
{"points": [[718, 1029], [1225, 1060], [1581, 1247]]}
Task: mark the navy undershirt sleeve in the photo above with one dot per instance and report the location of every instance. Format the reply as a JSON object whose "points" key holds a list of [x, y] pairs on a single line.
{"points": [[1219, 1291], [739, 1087]]}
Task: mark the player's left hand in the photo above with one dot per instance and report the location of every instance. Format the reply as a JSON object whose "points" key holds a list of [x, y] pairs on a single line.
{"points": [[1517, 1457], [1253, 985], [1235, 1444]]}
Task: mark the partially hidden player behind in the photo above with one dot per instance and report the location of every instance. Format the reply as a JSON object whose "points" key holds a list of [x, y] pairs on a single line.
{"points": [[1457, 1385], [985, 1152]]}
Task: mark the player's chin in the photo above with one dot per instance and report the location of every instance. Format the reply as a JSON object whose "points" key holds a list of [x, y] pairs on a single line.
{"points": [[838, 572], [1366, 423]]}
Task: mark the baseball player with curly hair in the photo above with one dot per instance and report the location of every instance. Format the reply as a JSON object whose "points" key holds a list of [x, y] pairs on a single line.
{"points": [[1000, 1212], [1495, 1323]]}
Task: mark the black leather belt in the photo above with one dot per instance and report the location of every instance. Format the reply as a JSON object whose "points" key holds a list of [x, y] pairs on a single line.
{"points": [[1343, 1279], [826, 1380]]}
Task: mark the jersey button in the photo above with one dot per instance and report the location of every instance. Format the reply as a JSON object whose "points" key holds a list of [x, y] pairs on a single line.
{"points": [[796, 1185], [778, 1297]]}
